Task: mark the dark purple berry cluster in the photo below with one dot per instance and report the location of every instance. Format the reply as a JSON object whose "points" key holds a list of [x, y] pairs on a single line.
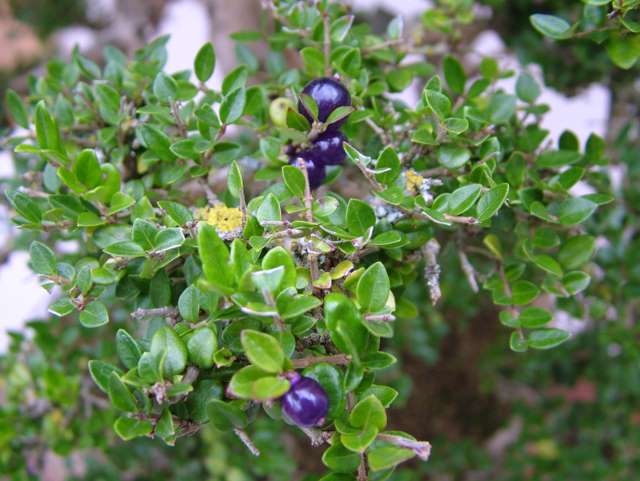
{"points": [[306, 403], [326, 148]]}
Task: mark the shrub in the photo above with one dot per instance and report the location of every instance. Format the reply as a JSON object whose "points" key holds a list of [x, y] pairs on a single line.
{"points": [[221, 255]]}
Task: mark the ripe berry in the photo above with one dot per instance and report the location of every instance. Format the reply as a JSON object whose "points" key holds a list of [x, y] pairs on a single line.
{"points": [[315, 170], [306, 403], [328, 94], [327, 149]]}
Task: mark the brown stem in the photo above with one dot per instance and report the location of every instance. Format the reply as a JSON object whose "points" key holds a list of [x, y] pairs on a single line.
{"points": [[340, 359], [308, 204], [244, 437], [363, 472], [170, 313], [327, 43]]}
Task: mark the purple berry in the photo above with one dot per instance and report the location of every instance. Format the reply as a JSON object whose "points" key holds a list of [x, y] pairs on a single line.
{"points": [[306, 403], [328, 94], [327, 149], [315, 170]]}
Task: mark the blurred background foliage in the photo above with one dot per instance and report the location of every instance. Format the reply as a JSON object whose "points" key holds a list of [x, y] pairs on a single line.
{"points": [[568, 414]]}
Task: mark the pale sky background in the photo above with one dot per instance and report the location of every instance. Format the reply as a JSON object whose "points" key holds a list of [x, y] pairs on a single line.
{"points": [[187, 21]]}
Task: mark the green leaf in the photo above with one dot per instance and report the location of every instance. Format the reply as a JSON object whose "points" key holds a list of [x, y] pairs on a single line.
{"points": [[125, 249], [388, 159], [169, 238], [94, 314], [165, 87], [548, 264], [119, 202], [269, 210], [624, 50], [234, 180], [576, 251], [47, 133], [532, 317], [214, 255], [340, 460], [108, 101], [456, 125], [167, 347], [312, 60], [575, 210], [360, 217], [551, 26], [294, 306], [547, 338], [201, 346], [454, 74], [16, 109], [279, 256], [294, 180], [119, 395], [501, 107], [189, 304], [359, 441], [43, 260], [386, 457], [340, 28], [389, 239], [576, 281], [165, 429], [517, 343], [368, 412], [344, 324], [251, 382], [263, 350], [338, 114], [178, 213], [553, 159], [232, 106], [157, 141], [205, 62], [128, 349], [373, 288], [100, 372], [144, 233], [438, 102], [523, 292], [129, 428], [26, 207], [226, 415], [527, 88], [491, 201], [453, 157], [463, 198]]}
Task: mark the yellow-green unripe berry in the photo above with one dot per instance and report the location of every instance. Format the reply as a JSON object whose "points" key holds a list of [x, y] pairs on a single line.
{"points": [[278, 110]]}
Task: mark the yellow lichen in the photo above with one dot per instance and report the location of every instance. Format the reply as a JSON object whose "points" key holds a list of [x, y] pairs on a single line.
{"points": [[413, 181], [223, 218]]}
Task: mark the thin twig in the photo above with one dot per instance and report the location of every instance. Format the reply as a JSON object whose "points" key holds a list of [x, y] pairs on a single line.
{"points": [[363, 472], [244, 437], [308, 204], [432, 269], [327, 42], [468, 270], [339, 359], [170, 313]]}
